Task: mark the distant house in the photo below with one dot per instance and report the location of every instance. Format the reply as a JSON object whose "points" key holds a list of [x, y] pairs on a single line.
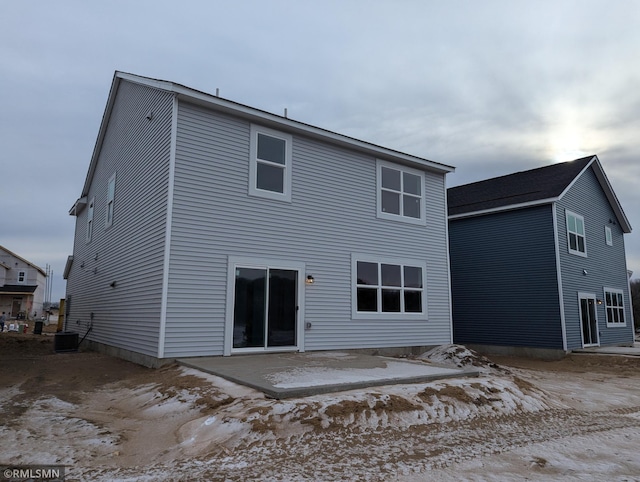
{"points": [[207, 227], [538, 261], [22, 286]]}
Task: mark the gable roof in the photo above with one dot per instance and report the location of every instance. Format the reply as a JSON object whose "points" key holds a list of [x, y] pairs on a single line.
{"points": [[11, 253], [251, 114], [543, 185]]}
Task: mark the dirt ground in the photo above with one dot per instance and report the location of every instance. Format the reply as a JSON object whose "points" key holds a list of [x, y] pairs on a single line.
{"points": [[522, 419]]}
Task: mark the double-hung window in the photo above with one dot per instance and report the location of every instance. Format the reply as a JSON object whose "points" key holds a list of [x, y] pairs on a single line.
{"points": [[270, 164], [608, 236], [22, 277], [400, 193], [576, 234], [111, 193], [90, 220], [393, 288], [614, 306]]}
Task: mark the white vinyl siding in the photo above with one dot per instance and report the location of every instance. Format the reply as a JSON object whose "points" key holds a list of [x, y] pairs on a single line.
{"points": [[575, 234], [400, 193], [270, 164], [111, 193], [89, 233], [614, 307]]}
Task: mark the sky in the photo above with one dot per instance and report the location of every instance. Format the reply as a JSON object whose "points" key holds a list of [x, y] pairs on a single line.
{"points": [[489, 87]]}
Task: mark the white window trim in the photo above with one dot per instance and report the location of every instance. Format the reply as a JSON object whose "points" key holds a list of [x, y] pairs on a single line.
{"points": [[574, 251], [90, 220], [369, 315], [604, 302], [399, 217], [24, 277], [588, 296], [234, 262], [253, 164], [110, 200], [608, 236]]}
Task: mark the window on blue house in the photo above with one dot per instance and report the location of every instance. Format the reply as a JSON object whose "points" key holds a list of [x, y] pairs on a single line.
{"points": [[614, 306], [576, 234]]}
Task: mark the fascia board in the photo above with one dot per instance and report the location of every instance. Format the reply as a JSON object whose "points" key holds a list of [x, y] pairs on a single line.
{"points": [[510, 207], [101, 132], [607, 189]]}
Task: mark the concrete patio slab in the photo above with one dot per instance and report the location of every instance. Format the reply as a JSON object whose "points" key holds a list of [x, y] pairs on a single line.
{"points": [[613, 350], [292, 375]]}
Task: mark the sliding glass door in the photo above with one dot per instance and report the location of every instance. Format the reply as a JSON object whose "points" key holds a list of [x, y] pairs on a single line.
{"points": [[265, 307]]}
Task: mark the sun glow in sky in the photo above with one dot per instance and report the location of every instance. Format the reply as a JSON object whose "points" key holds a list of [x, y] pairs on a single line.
{"points": [[570, 135], [567, 146]]}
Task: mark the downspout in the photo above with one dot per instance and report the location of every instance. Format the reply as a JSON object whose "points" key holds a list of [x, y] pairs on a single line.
{"points": [[168, 224], [446, 235]]}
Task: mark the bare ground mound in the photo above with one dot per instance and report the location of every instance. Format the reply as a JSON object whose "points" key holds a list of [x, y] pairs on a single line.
{"points": [[110, 419]]}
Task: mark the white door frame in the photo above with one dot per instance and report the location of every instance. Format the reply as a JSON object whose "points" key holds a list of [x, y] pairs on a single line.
{"points": [[262, 263], [588, 296]]}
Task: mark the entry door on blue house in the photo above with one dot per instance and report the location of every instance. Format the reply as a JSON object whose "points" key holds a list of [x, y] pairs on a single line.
{"points": [[265, 307], [588, 320]]}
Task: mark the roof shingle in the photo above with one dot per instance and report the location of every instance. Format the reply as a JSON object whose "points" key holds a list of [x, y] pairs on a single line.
{"points": [[521, 187]]}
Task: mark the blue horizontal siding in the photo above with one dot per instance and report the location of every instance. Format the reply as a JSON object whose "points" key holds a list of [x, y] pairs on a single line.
{"points": [[605, 265], [504, 279]]}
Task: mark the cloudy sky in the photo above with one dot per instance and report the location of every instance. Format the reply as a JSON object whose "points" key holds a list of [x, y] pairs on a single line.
{"points": [[490, 87]]}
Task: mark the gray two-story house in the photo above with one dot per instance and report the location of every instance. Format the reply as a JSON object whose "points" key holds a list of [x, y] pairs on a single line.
{"points": [[207, 227], [538, 261]]}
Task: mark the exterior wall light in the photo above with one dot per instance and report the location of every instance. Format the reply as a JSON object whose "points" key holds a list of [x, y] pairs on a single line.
{"points": [[310, 280]]}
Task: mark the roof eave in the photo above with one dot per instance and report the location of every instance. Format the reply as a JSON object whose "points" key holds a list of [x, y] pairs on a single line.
{"points": [[608, 192], [101, 132], [38, 268], [78, 206], [279, 122], [510, 207], [269, 120]]}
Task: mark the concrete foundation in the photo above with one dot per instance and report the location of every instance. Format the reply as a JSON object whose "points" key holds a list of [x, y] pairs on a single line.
{"points": [[539, 353], [153, 362], [132, 356]]}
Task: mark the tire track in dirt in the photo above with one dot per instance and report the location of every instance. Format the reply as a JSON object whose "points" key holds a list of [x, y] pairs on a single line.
{"points": [[386, 453]]}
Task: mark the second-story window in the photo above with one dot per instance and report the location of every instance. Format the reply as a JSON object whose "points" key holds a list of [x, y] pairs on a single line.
{"points": [[575, 234], [22, 277], [608, 236], [90, 220], [111, 195], [400, 193], [270, 164]]}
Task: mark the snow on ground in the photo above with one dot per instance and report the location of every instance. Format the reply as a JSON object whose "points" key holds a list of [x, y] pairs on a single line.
{"points": [[314, 376], [511, 424]]}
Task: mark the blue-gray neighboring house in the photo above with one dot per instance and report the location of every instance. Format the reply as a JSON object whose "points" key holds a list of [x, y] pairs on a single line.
{"points": [[207, 227], [538, 261]]}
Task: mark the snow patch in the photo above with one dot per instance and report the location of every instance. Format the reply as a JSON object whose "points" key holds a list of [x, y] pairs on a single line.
{"points": [[314, 376], [462, 357]]}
